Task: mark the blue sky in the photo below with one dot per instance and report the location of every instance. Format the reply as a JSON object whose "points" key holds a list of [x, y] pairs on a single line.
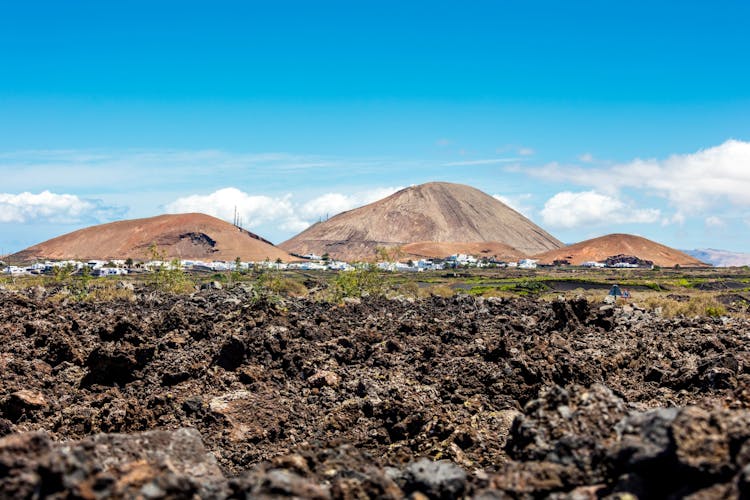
{"points": [[589, 117]]}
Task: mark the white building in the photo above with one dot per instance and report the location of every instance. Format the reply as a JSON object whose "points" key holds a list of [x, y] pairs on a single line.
{"points": [[592, 263], [527, 264], [109, 271], [15, 271], [307, 266]]}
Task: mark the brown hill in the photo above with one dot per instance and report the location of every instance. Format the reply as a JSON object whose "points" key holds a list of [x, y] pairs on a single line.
{"points": [[186, 236], [435, 249], [598, 249], [437, 212]]}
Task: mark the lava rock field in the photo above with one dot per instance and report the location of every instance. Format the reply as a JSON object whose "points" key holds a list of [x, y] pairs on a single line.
{"points": [[219, 395]]}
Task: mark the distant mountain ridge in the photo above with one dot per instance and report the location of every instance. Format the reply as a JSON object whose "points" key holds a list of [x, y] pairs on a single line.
{"points": [[437, 212], [185, 236], [720, 258]]}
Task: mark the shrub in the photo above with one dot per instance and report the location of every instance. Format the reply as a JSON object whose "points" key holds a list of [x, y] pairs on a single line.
{"points": [[289, 287], [715, 311], [170, 278], [364, 279], [530, 287], [109, 291], [698, 305], [410, 289], [441, 291], [269, 286]]}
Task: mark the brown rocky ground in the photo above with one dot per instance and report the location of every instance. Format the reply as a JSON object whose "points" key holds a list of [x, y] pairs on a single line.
{"points": [[439, 250], [216, 395]]}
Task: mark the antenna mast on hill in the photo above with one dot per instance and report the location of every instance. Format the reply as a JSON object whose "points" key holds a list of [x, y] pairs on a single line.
{"points": [[237, 219]]}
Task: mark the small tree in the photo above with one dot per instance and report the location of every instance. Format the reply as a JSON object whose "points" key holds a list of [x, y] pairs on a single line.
{"points": [[169, 277], [365, 279], [62, 273], [389, 254], [235, 273]]}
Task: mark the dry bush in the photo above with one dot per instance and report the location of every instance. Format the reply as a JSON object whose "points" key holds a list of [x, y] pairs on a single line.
{"points": [[495, 292], [20, 283], [409, 289], [109, 291], [288, 287], [702, 304], [438, 291]]}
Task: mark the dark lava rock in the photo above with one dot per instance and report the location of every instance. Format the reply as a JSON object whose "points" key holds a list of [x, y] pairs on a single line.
{"points": [[570, 427], [672, 452], [232, 354], [155, 464], [438, 480], [276, 483], [6, 427], [22, 403], [110, 364], [531, 399]]}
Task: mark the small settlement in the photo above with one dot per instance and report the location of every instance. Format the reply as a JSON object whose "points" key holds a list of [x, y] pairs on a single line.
{"points": [[310, 262]]}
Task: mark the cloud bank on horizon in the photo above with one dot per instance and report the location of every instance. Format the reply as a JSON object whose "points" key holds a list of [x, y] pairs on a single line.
{"points": [[258, 210], [693, 185], [709, 187], [26, 208]]}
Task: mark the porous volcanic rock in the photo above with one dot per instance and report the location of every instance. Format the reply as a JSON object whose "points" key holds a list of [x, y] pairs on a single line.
{"points": [[219, 394]]}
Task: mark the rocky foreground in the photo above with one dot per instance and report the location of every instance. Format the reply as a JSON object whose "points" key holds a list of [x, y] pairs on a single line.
{"points": [[217, 395]]}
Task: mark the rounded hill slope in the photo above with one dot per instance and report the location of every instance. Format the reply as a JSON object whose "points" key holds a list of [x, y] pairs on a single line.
{"points": [[435, 249], [598, 249], [438, 212], [186, 236]]}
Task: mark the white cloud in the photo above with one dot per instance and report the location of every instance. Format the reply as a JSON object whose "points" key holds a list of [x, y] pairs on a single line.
{"points": [[677, 218], [692, 183], [282, 212], [253, 210], [51, 207], [326, 205], [586, 157], [516, 202], [571, 210], [331, 204], [526, 151]]}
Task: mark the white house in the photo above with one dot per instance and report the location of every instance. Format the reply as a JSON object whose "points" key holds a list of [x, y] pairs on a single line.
{"points": [[527, 264], [109, 271], [592, 263], [15, 271]]}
